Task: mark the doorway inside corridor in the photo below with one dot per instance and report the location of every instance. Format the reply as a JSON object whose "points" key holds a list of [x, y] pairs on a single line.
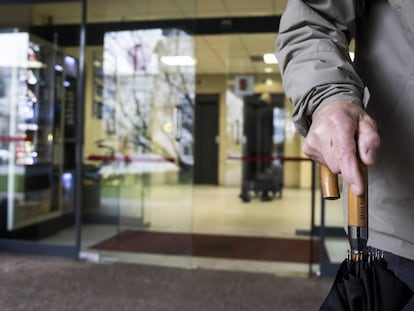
{"points": [[206, 144]]}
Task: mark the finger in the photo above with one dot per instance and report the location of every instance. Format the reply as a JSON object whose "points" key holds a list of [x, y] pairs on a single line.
{"points": [[321, 152], [331, 158], [345, 156], [368, 140], [310, 149], [351, 174]]}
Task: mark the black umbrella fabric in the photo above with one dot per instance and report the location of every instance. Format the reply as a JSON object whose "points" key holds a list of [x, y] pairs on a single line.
{"points": [[363, 281], [366, 285]]}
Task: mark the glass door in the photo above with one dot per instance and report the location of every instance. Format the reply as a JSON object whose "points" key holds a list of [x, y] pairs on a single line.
{"points": [[333, 239], [266, 179], [139, 142]]}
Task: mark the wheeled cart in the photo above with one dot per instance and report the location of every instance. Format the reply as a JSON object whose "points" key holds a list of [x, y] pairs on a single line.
{"points": [[262, 174], [266, 185]]}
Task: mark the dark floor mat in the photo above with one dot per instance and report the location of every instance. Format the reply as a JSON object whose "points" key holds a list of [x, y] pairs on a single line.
{"points": [[217, 246]]}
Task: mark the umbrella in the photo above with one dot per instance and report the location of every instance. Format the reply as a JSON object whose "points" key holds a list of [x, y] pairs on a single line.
{"points": [[363, 281]]}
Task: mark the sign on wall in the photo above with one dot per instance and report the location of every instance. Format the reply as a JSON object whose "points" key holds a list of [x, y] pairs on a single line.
{"points": [[243, 85]]}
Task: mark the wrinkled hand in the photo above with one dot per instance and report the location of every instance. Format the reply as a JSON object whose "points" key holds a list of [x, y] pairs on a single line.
{"points": [[337, 130]]}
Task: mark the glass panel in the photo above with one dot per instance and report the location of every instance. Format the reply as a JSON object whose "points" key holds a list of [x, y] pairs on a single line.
{"points": [[37, 191], [29, 122], [335, 242], [256, 117], [266, 181], [139, 131], [139, 146]]}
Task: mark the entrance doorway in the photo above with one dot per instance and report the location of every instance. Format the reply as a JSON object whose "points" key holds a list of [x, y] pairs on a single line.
{"points": [[206, 139]]}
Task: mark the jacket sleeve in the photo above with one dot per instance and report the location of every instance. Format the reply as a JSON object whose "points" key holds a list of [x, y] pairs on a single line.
{"points": [[312, 48]]}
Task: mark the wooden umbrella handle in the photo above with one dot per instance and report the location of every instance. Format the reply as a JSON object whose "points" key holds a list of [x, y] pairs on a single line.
{"points": [[329, 184], [358, 219], [358, 204], [357, 209]]}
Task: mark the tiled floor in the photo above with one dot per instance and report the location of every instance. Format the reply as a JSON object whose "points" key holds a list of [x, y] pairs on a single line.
{"points": [[211, 210]]}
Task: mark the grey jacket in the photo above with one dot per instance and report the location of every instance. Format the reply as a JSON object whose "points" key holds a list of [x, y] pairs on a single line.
{"points": [[312, 49]]}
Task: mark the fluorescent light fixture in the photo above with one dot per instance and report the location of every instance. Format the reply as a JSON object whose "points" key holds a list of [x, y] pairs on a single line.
{"points": [[35, 64], [179, 60], [270, 58], [69, 60], [27, 127], [352, 55], [59, 67], [269, 82], [268, 70]]}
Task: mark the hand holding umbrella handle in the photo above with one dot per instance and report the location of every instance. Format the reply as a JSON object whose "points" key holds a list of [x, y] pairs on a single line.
{"points": [[357, 209]]}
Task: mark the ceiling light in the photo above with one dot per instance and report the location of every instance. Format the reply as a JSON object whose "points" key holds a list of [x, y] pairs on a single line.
{"points": [[35, 64], [352, 55], [270, 58], [178, 60], [59, 67], [268, 70]]}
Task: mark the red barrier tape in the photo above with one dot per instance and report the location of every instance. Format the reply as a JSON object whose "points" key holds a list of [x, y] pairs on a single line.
{"points": [[10, 139], [233, 158], [267, 159]]}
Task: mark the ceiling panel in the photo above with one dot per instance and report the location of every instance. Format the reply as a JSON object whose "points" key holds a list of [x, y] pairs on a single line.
{"points": [[159, 9], [187, 7], [257, 44], [280, 6], [163, 8], [231, 54], [154, 9], [102, 12], [207, 59], [222, 53], [67, 12], [211, 8], [249, 7]]}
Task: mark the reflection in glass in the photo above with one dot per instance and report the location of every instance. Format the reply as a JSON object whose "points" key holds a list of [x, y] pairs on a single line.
{"points": [[145, 105], [27, 121]]}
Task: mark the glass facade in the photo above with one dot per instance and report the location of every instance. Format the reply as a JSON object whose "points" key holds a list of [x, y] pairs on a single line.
{"points": [[151, 132]]}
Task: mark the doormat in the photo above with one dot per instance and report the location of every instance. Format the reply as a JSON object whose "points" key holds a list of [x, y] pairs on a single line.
{"points": [[213, 246]]}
